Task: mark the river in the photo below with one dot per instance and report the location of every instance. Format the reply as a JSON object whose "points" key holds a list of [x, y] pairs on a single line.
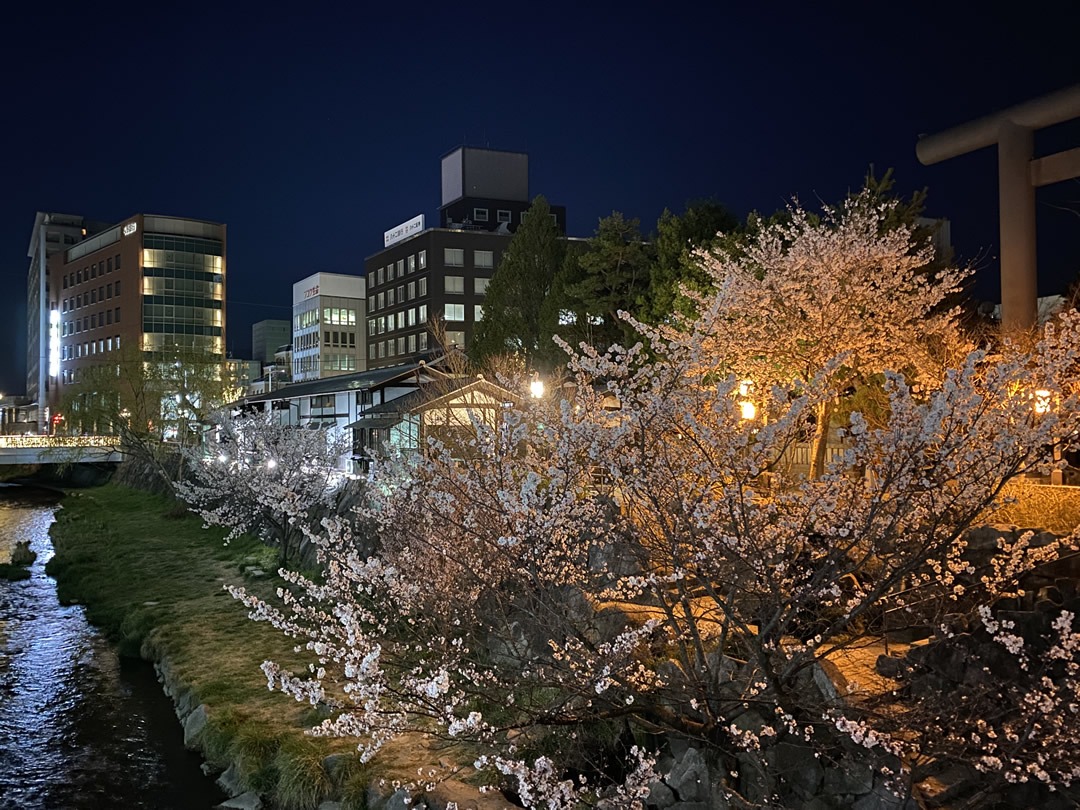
{"points": [[80, 728]]}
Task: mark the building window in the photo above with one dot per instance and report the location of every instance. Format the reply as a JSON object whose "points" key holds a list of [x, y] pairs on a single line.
{"points": [[118, 267], [389, 297], [454, 257], [454, 284], [502, 215], [483, 259], [412, 343], [400, 268], [380, 276], [401, 294], [371, 327], [423, 341], [480, 215], [401, 320], [480, 285], [412, 317], [109, 270], [455, 312], [382, 349], [478, 312], [324, 401], [371, 351], [381, 298], [117, 287], [455, 339], [412, 263], [423, 287], [422, 257], [412, 290], [108, 291]]}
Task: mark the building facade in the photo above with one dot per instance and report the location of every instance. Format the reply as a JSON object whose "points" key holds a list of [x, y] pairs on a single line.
{"points": [[328, 338], [426, 288], [267, 337], [154, 283], [52, 233]]}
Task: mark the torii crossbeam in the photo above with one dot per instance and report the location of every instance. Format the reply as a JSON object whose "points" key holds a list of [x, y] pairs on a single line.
{"points": [[1019, 174]]}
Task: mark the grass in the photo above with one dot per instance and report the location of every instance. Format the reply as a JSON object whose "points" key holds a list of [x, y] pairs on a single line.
{"points": [[153, 580]]}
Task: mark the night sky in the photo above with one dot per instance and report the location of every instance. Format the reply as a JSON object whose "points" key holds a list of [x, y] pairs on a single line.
{"points": [[310, 128]]}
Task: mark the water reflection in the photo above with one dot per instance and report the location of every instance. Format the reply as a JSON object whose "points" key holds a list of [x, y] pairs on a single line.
{"points": [[79, 728]]}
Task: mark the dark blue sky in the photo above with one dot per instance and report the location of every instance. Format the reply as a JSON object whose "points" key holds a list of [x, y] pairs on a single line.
{"points": [[311, 128]]}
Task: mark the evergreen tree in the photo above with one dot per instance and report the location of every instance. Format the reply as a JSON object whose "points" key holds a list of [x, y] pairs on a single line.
{"points": [[611, 275], [515, 297], [676, 239]]}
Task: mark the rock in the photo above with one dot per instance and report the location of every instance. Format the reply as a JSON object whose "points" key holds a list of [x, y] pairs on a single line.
{"points": [[690, 777], [987, 538], [882, 798], [333, 764], [194, 725], [254, 573], [245, 801], [402, 800], [796, 767], [854, 778], [378, 794], [889, 666], [660, 795], [229, 781]]}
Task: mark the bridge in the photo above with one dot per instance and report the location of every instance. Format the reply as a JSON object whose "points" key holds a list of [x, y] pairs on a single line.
{"points": [[32, 449]]}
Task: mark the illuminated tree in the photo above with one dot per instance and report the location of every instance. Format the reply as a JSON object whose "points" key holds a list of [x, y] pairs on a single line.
{"points": [[263, 478], [595, 580], [156, 405]]}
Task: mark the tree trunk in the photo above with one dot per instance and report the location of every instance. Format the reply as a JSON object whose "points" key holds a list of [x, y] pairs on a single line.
{"points": [[821, 439]]}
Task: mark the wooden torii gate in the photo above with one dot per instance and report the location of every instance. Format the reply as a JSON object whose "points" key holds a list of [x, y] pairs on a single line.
{"points": [[1019, 174]]}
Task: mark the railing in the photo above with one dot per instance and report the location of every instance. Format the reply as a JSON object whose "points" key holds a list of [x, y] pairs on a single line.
{"points": [[58, 442]]}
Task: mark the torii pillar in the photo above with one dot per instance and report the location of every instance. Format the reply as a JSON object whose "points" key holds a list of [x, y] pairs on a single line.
{"points": [[1019, 174]]}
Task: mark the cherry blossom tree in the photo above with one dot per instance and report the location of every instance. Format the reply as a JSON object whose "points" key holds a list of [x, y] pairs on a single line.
{"points": [[592, 582], [265, 478], [806, 289]]}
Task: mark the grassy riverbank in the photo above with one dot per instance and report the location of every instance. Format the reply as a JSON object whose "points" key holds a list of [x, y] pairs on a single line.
{"points": [[153, 581]]}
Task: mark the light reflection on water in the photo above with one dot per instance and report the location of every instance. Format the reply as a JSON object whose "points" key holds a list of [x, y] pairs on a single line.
{"points": [[79, 727]]}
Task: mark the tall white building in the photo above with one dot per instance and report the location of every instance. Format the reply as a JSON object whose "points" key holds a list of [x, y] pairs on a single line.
{"points": [[328, 337]]}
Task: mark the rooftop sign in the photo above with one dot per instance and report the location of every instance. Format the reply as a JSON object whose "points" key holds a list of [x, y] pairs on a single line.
{"points": [[404, 230]]}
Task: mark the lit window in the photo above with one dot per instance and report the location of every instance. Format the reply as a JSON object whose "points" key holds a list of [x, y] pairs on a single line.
{"points": [[422, 255], [400, 267], [478, 312], [483, 259], [454, 257], [423, 341], [401, 320], [412, 263], [412, 290], [371, 327], [423, 287], [412, 343], [412, 317], [455, 312], [454, 284], [389, 297], [455, 338], [381, 298], [480, 285], [401, 345], [421, 313]]}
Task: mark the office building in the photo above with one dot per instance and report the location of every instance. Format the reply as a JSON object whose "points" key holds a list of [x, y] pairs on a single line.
{"points": [[155, 283], [327, 327], [428, 284], [52, 233], [267, 337]]}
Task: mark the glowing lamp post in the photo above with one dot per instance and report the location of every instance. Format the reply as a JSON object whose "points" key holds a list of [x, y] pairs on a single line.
{"points": [[536, 387], [747, 408]]}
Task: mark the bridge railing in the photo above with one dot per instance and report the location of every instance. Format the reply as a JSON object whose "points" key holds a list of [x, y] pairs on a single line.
{"points": [[57, 442]]}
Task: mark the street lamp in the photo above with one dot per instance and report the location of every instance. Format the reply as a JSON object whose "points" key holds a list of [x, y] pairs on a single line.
{"points": [[747, 408], [536, 387]]}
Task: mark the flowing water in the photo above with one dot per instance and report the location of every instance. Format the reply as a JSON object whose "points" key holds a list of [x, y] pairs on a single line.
{"points": [[80, 727]]}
